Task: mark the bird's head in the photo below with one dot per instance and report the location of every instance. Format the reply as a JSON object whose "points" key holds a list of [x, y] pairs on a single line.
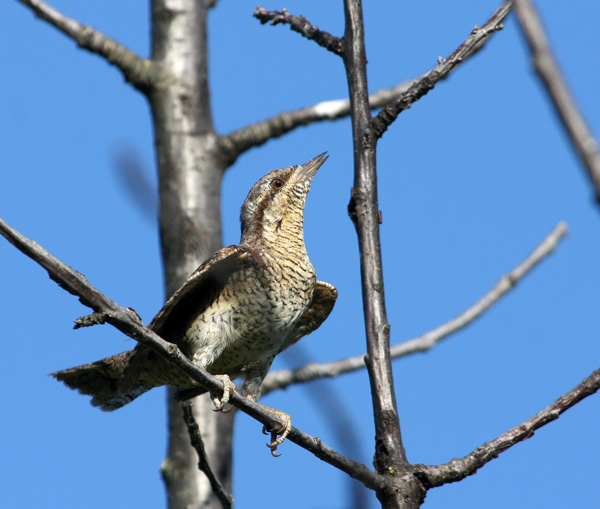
{"points": [[276, 202]]}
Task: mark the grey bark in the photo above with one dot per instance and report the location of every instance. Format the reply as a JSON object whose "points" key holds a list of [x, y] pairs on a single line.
{"points": [[190, 227]]}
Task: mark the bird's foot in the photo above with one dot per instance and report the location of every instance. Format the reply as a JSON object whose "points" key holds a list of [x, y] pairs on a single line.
{"points": [[278, 435], [228, 388]]}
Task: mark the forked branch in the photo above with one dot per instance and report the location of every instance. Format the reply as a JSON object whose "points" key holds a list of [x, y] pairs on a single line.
{"points": [[237, 142]]}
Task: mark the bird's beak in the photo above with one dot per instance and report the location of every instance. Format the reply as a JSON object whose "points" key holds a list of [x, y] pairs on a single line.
{"points": [[308, 170]]}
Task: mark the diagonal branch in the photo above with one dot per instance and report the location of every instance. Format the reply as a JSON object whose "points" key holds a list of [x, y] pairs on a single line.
{"points": [[285, 377], [226, 499], [142, 74], [473, 43], [501, 288], [130, 324], [458, 469], [549, 73], [239, 141], [301, 25]]}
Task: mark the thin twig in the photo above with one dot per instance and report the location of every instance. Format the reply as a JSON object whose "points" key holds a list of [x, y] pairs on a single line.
{"points": [[141, 73], [418, 89], [301, 25], [129, 323], [458, 469], [501, 288], [285, 377], [239, 141], [549, 73], [225, 498]]}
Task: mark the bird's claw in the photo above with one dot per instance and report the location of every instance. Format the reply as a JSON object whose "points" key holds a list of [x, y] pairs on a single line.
{"points": [[228, 388], [278, 436]]}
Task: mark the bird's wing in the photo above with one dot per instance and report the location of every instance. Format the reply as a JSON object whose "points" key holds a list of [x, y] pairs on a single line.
{"points": [[323, 300], [197, 292], [186, 304]]}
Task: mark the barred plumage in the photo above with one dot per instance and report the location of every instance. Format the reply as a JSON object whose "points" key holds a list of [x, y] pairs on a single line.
{"points": [[238, 310]]}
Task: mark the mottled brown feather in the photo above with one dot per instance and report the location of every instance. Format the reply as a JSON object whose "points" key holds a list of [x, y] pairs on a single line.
{"points": [[323, 300], [238, 310], [187, 303]]}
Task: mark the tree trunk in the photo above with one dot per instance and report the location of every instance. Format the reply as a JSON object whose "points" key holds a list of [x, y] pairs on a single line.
{"points": [[190, 224]]}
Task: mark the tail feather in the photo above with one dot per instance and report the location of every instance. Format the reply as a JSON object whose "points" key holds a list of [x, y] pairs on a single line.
{"points": [[108, 405], [100, 379]]}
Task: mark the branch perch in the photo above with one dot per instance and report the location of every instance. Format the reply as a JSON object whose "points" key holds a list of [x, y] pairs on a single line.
{"points": [[142, 74], [129, 323], [285, 377]]}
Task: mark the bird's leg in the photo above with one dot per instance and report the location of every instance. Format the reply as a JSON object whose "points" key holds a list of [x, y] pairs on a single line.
{"points": [[278, 436], [251, 390], [228, 388]]}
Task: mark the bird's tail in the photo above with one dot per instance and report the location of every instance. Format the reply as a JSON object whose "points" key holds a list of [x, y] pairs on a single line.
{"points": [[101, 379]]}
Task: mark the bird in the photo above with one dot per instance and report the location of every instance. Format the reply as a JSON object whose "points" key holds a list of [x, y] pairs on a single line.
{"points": [[236, 312]]}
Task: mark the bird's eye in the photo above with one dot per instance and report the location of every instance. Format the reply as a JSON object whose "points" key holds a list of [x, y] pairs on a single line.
{"points": [[277, 183]]}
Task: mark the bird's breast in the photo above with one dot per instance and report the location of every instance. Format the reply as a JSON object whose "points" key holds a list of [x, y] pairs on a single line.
{"points": [[251, 317]]}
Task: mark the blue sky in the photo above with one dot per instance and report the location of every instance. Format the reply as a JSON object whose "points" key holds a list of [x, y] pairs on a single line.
{"points": [[471, 178]]}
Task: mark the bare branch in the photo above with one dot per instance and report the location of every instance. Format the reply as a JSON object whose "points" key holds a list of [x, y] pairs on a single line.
{"points": [[129, 323], [473, 43], [549, 73], [96, 318], [364, 213], [501, 288], [142, 74], [226, 499], [283, 378], [458, 469], [301, 25], [239, 141]]}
